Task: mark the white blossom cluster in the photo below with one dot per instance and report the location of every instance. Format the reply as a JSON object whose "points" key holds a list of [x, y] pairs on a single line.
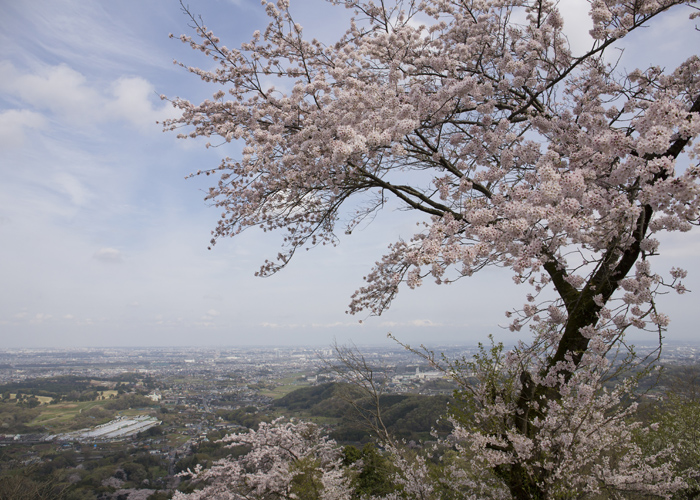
{"points": [[279, 454], [582, 444]]}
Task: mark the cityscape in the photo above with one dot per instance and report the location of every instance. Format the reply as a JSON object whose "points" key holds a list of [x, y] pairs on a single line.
{"points": [[128, 421]]}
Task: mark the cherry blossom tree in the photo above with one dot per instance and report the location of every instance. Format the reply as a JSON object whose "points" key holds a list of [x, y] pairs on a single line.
{"points": [[678, 420], [285, 460], [512, 149], [582, 444]]}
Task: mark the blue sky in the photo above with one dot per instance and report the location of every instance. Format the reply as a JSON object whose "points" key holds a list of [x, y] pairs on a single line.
{"points": [[104, 242]]}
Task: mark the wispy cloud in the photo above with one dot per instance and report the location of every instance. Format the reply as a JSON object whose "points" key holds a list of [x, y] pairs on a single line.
{"points": [[98, 35]]}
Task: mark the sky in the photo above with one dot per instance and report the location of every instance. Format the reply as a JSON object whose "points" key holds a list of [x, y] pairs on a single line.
{"points": [[103, 240]]}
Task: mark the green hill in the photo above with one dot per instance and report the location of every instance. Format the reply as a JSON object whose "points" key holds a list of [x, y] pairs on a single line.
{"points": [[406, 416]]}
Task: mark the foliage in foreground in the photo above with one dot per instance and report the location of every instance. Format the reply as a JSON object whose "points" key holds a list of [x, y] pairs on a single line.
{"points": [[590, 443], [587, 447]]}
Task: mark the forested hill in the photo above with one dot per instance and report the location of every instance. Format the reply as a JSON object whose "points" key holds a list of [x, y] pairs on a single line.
{"points": [[409, 417]]}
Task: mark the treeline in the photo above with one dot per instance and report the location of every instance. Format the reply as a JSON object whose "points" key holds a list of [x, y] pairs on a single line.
{"points": [[54, 386], [126, 401], [64, 388], [75, 388]]}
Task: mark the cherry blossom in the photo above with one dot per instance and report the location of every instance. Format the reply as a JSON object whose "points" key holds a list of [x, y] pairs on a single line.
{"points": [[579, 445], [513, 151], [285, 460]]}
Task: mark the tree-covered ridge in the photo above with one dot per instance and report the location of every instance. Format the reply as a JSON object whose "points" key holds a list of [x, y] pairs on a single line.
{"points": [[409, 417]]}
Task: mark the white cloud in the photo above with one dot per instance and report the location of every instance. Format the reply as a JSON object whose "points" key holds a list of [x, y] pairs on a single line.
{"points": [[133, 103], [59, 89], [577, 24], [15, 124], [69, 97], [337, 324], [413, 323], [39, 318], [108, 255], [679, 248], [273, 325]]}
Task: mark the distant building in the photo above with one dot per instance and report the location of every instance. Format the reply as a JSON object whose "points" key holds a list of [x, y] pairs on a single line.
{"points": [[155, 396]]}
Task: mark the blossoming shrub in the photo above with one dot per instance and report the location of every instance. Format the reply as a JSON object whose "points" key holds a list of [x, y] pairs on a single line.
{"points": [[286, 460]]}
